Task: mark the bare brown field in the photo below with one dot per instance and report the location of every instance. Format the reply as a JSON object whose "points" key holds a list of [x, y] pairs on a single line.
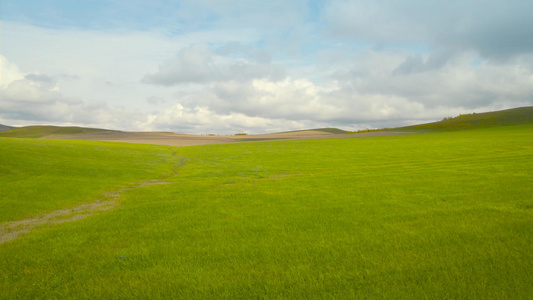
{"points": [[181, 139], [155, 138]]}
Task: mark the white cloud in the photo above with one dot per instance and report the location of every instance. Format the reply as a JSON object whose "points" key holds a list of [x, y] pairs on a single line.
{"points": [[463, 81], [9, 72], [196, 64], [203, 120]]}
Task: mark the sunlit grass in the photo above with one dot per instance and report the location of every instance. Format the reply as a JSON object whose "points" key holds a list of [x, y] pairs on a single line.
{"points": [[43, 175], [440, 215]]}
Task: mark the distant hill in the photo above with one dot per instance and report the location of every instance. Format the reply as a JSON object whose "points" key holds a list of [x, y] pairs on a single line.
{"points": [[515, 116], [331, 130], [43, 131], [327, 130], [5, 128]]}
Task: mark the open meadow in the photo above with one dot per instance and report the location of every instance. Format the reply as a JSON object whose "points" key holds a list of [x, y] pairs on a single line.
{"points": [[436, 215]]}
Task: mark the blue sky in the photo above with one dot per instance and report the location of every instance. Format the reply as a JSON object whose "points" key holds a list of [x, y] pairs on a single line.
{"points": [[260, 66]]}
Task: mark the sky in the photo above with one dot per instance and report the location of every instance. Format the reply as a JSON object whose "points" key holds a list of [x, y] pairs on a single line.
{"points": [[229, 66]]}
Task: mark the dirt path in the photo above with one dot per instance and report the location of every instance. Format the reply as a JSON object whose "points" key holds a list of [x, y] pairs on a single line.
{"points": [[14, 229]]}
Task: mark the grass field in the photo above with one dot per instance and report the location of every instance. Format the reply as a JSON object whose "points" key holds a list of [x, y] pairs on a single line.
{"points": [[437, 215], [43, 175]]}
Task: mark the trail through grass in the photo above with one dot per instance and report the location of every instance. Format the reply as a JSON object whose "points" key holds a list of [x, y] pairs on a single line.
{"points": [[439, 215], [40, 176]]}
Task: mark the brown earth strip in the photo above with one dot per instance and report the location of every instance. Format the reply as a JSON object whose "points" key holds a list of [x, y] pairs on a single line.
{"points": [[14, 229], [154, 138], [180, 139]]}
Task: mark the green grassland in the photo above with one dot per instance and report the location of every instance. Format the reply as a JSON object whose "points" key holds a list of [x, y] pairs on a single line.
{"points": [[438, 215], [39, 176]]}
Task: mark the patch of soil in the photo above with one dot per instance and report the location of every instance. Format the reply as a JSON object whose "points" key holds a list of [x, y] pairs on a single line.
{"points": [[14, 229]]}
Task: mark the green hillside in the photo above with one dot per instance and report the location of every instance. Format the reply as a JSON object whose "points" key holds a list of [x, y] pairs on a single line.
{"points": [[42, 131], [515, 116], [331, 130], [328, 130]]}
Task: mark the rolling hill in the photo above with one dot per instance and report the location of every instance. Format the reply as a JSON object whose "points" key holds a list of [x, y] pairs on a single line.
{"points": [[324, 130], [515, 116], [160, 138], [43, 131]]}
